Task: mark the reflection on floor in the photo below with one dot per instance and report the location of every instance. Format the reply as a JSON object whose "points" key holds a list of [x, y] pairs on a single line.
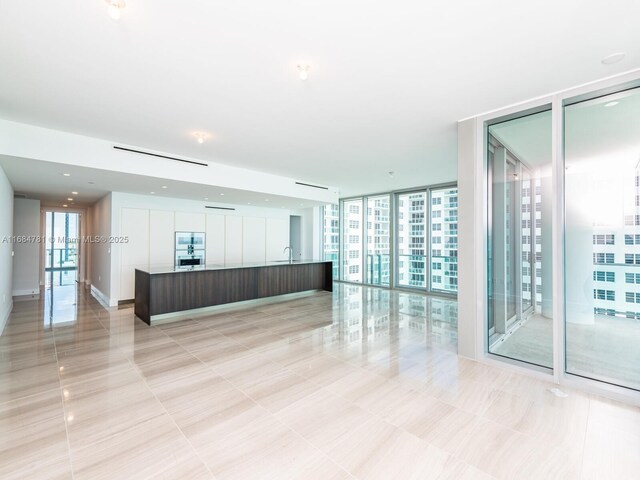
{"points": [[364, 383], [532, 342]]}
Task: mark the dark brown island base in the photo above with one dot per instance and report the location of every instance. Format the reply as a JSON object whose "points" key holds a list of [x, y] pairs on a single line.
{"points": [[162, 291]]}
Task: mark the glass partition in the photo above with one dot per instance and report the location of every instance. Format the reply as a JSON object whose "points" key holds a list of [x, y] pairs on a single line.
{"points": [[602, 239], [519, 242]]}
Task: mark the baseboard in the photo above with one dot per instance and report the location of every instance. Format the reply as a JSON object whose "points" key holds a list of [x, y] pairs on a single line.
{"points": [[24, 293], [4, 317], [101, 297]]}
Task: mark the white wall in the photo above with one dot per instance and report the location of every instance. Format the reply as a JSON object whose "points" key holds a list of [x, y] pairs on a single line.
{"points": [[6, 261], [310, 220], [247, 234], [101, 252], [26, 260]]}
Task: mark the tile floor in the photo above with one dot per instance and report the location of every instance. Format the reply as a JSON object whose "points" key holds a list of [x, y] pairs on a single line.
{"points": [[364, 383]]}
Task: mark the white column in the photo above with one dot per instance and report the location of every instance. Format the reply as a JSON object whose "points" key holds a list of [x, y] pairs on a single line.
{"points": [[471, 306]]}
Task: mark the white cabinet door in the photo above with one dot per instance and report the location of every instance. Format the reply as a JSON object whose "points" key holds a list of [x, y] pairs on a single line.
{"points": [[190, 222], [277, 238], [134, 224], [215, 239], [161, 238], [253, 239], [233, 239]]}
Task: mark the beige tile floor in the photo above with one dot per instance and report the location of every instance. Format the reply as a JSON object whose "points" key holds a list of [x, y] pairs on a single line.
{"points": [[364, 383]]}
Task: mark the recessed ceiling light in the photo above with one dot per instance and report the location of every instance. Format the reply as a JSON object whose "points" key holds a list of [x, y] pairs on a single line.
{"points": [[66, 174], [201, 136], [164, 186], [611, 104], [70, 199], [74, 193], [65, 205], [613, 58], [248, 203], [303, 71], [206, 198], [152, 193], [222, 194], [115, 8]]}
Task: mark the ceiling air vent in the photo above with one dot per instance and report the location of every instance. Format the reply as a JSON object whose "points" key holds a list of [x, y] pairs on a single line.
{"points": [[20, 195], [312, 186], [124, 149], [219, 208]]}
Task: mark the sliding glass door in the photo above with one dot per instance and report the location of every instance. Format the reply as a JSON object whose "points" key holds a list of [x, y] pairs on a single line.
{"points": [[602, 242], [519, 254]]}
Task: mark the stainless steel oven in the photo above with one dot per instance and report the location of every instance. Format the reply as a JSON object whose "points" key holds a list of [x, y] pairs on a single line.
{"points": [[190, 249]]}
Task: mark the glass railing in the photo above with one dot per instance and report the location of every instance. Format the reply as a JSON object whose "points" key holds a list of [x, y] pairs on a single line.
{"points": [[378, 268], [447, 274], [62, 258], [412, 270]]}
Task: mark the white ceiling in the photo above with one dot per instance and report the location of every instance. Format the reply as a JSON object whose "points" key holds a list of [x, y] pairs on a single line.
{"points": [[388, 80]]}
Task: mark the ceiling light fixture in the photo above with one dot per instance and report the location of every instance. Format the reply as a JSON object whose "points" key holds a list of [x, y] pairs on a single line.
{"points": [[222, 194], [303, 71], [206, 198], [74, 193], [164, 186], [66, 174], [115, 8], [613, 58], [611, 104], [65, 205], [70, 199], [152, 193], [201, 137]]}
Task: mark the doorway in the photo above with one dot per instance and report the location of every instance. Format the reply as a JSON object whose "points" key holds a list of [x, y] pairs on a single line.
{"points": [[295, 236], [62, 252]]}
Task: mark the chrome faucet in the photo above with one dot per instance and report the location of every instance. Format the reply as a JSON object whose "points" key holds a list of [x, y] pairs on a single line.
{"points": [[290, 253]]}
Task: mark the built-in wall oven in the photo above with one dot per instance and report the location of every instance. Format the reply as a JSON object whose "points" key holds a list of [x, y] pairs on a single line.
{"points": [[190, 249]]}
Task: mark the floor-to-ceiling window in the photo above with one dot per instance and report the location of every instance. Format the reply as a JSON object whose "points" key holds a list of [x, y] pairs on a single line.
{"points": [[519, 241], [602, 238], [61, 252], [412, 239], [405, 239], [331, 235], [352, 240], [444, 239], [378, 240]]}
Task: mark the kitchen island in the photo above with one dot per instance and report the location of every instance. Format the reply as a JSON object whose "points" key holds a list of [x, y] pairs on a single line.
{"points": [[161, 291]]}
